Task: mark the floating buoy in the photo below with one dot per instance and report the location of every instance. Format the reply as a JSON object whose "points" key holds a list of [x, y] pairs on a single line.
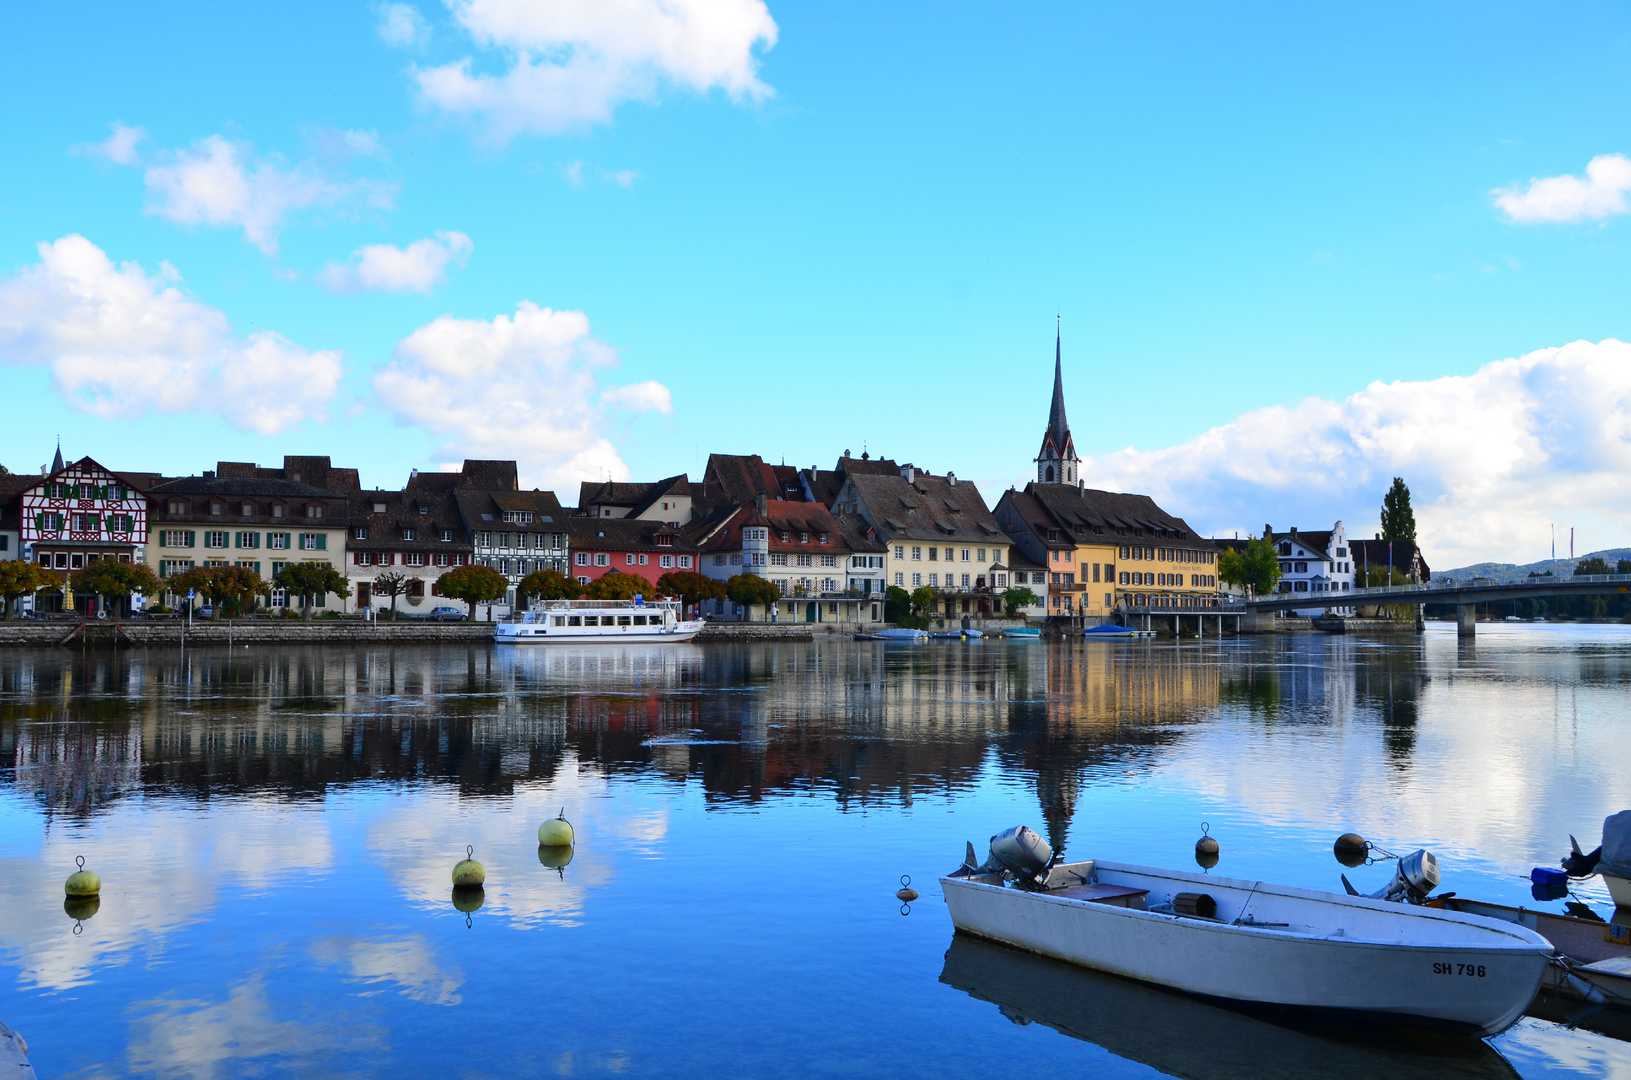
{"points": [[1206, 848], [556, 832], [556, 858], [906, 894], [467, 872], [82, 882], [1350, 849], [469, 898]]}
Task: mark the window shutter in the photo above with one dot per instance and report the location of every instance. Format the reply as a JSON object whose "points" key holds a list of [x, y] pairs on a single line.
{"points": [[322, 541], [39, 522], [192, 538]]}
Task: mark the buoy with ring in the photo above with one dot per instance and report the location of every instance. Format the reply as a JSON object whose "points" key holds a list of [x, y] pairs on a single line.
{"points": [[1206, 848], [556, 832], [82, 882], [467, 872], [1351, 849], [906, 894]]}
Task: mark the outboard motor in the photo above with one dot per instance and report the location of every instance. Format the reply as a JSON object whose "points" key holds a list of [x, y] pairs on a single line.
{"points": [[1579, 864], [1018, 853], [1414, 879]]}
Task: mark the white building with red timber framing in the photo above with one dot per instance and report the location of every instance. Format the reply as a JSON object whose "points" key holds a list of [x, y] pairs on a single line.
{"points": [[79, 514]]}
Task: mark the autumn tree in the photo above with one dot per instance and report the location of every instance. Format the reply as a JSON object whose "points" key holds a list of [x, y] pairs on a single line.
{"points": [[19, 579], [549, 585], [310, 580], [236, 587], [616, 586], [391, 584], [119, 580], [1256, 568], [751, 589], [690, 586], [474, 585]]}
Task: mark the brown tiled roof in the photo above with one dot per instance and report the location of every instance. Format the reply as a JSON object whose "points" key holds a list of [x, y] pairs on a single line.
{"points": [[624, 534], [386, 528], [859, 536], [927, 508], [485, 510], [670, 488], [1089, 515], [739, 477]]}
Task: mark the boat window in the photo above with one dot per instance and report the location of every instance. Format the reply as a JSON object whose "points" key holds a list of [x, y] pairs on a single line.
{"points": [[574, 620], [560, 620], [622, 620]]}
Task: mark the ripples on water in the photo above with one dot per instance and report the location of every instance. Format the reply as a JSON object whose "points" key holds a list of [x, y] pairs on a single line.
{"points": [[275, 830]]}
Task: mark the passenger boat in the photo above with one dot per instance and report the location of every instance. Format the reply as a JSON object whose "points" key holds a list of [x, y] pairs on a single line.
{"points": [[597, 622], [1257, 945]]}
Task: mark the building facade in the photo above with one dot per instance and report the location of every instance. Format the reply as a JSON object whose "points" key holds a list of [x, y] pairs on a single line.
{"points": [[516, 533], [1316, 563], [419, 535], [77, 515], [648, 549]]}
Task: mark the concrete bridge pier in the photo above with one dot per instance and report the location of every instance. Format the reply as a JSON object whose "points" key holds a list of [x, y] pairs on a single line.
{"points": [[1466, 622]]}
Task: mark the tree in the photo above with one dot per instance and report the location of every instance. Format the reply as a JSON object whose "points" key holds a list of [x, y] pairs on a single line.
{"points": [[310, 580], [391, 584], [923, 600], [549, 585], [474, 585], [109, 577], [1017, 598], [1256, 568], [1623, 567], [690, 586], [751, 589], [1593, 565], [19, 579], [897, 604], [618, 586], [1398, 520], [236, 587]]}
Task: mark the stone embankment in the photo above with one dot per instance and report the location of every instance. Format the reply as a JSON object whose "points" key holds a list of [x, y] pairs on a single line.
{"points": [[239, 632]]}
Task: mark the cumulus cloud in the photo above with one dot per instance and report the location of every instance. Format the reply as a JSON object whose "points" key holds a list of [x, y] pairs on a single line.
{"points": [[573, 62], [419, 267], [522, 386], [121, 147], [1569, 198], [217, 182], [121, 343], [401, 26], [1492, 459]]}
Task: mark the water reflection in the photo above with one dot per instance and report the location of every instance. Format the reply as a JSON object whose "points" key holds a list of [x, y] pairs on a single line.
{"points": [[1181, 1036]]}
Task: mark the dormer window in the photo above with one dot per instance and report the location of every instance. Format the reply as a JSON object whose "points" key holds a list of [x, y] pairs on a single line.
{"points": [[379, 508], [804, 538], [517, 517], [410, 534], [787, 537], [423, 509], [176, 506], [447, 536], [362, 532], [277, 510], [664, 540], [248, 509], [823, 538], [215, 508], [313, 510]]}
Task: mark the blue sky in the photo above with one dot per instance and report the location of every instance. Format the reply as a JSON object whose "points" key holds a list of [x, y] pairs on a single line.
{"points": [[795, 229]]}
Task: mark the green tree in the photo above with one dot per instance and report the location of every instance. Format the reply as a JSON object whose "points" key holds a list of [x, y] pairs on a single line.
{"points": [[922, 600], [1018, 598], [19, 579], [310, 580], [474, 585], [897, 604], [1256, 568], [549, 585], [119, 580], [1593, 565], [1623, 567], [1398, 520], [690, 586], [613, 585], [750, 590], [390, 584]]}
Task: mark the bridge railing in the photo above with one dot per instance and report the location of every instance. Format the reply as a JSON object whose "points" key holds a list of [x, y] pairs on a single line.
{"points": [[1421, 593]]}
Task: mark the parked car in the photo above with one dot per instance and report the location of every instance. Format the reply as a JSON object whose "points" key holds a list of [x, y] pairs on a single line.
{"points": [[205, 612], [447, 614]]}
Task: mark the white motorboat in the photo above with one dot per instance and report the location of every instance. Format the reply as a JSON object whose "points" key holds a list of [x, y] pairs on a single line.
{"points": [[1596, 955], [1254, 944], [597, 622]]}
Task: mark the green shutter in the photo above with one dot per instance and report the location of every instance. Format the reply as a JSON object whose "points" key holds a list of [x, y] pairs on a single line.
{"points": [[322, 541], [39, 522], [192, 538]]}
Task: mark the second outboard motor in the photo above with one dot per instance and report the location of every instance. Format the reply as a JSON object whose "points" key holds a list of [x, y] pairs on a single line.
{"points": [[1415, 877]]}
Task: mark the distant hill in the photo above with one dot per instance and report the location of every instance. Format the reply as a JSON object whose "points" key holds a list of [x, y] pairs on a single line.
{"points": [[1506, 572]]}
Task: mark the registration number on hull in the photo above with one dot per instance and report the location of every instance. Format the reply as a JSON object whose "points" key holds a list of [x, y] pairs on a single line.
{"points": [[1471, 971]]}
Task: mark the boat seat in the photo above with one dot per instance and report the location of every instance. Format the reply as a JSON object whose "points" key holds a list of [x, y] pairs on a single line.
{"points": [[1115, 895]]}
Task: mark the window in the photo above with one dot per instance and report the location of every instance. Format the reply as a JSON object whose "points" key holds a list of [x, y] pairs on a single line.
{"points": [[248, 539], [313, 542], [804, 560], [414, 558], [215, 508], [447, 536], [900, 552], [313, 510], [917, 554], [778, 558], [602, 559], [684, 562], [410, 534], [787, 537], [248, 509], [829, 560], [917, 580], [645, 559], [664, 540], [361, 532], [966, 554], [1124, 577], [665, 561], [1302, 568], [277, 510], [518, 517], [719, 560], [900, 579], [581, 581], [823, 538], [275, 540], [255, 566], [934, 580], [215, 539], [982, 554], [362, 558]]}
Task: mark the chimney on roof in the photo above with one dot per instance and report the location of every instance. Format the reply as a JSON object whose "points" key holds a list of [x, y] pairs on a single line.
{"points": [[951, 478], [865, 456], [1294, 530], [909, 472], [761, 503], [209, 474]]}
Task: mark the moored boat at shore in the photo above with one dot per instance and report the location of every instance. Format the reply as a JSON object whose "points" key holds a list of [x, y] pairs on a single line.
{"points": [[597, 622], [1260, 945]]}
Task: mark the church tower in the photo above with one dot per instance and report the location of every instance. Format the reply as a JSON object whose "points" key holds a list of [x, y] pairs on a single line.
{"points": [[1056, 462]]}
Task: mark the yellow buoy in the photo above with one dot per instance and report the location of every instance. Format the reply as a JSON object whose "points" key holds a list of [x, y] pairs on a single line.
{"points": [[82, 882], [556, 832], [467, 872]]}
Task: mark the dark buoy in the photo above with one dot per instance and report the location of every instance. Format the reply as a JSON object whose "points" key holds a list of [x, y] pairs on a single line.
{"points": [[556, 858], [80, 908], [467, 872], [469, 898], [82, 882], [906, 894], [1206, 848], [1350, 849]]}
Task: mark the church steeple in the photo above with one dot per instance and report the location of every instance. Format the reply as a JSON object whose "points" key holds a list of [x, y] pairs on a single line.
{"points": [[56, 463], [1056, 462]]}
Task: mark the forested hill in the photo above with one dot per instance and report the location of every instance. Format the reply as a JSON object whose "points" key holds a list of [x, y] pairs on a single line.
{"points": [[1505, 572]]}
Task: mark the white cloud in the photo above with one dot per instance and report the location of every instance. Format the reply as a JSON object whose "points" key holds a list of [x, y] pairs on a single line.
{"points": [[119, 148], [121, 343], [214, 182], [580, 172], [1569, 198], [1492, 459], [419, 267], [401, 26], [574, 61], [520, 387]]}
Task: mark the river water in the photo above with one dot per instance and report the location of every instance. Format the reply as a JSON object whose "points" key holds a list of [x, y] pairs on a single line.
{"points": [[275, 829]]}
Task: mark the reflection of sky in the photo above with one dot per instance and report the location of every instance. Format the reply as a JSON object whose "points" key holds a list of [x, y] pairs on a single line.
{"points": [[276, 854]]}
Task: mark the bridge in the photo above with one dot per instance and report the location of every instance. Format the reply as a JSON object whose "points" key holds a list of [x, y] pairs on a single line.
{"points": [[1465, 596]]}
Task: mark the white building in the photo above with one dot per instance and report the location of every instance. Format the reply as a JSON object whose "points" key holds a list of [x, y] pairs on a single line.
{"points": [[1316, 563]]}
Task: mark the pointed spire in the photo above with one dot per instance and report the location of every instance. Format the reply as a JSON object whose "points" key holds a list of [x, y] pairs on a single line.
{"points": [[1058, 427], [56, 462]]}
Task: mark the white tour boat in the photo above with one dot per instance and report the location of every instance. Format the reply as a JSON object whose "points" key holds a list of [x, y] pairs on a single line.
{"points": [[1254, 944], [597, 622]]}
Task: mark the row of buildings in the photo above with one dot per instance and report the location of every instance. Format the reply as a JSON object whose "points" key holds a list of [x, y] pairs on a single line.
{"points": [[832, 541]]}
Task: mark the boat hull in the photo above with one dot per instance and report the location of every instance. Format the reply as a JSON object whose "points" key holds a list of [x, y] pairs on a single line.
{"points": [[1379, 980], [554, 636]]}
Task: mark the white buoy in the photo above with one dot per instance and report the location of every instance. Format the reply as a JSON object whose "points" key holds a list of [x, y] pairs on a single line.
{"points": [[467, 872], [556, 832]]}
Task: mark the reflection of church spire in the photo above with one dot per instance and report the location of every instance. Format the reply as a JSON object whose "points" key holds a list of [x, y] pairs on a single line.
{"points": [[1056, 789]]}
